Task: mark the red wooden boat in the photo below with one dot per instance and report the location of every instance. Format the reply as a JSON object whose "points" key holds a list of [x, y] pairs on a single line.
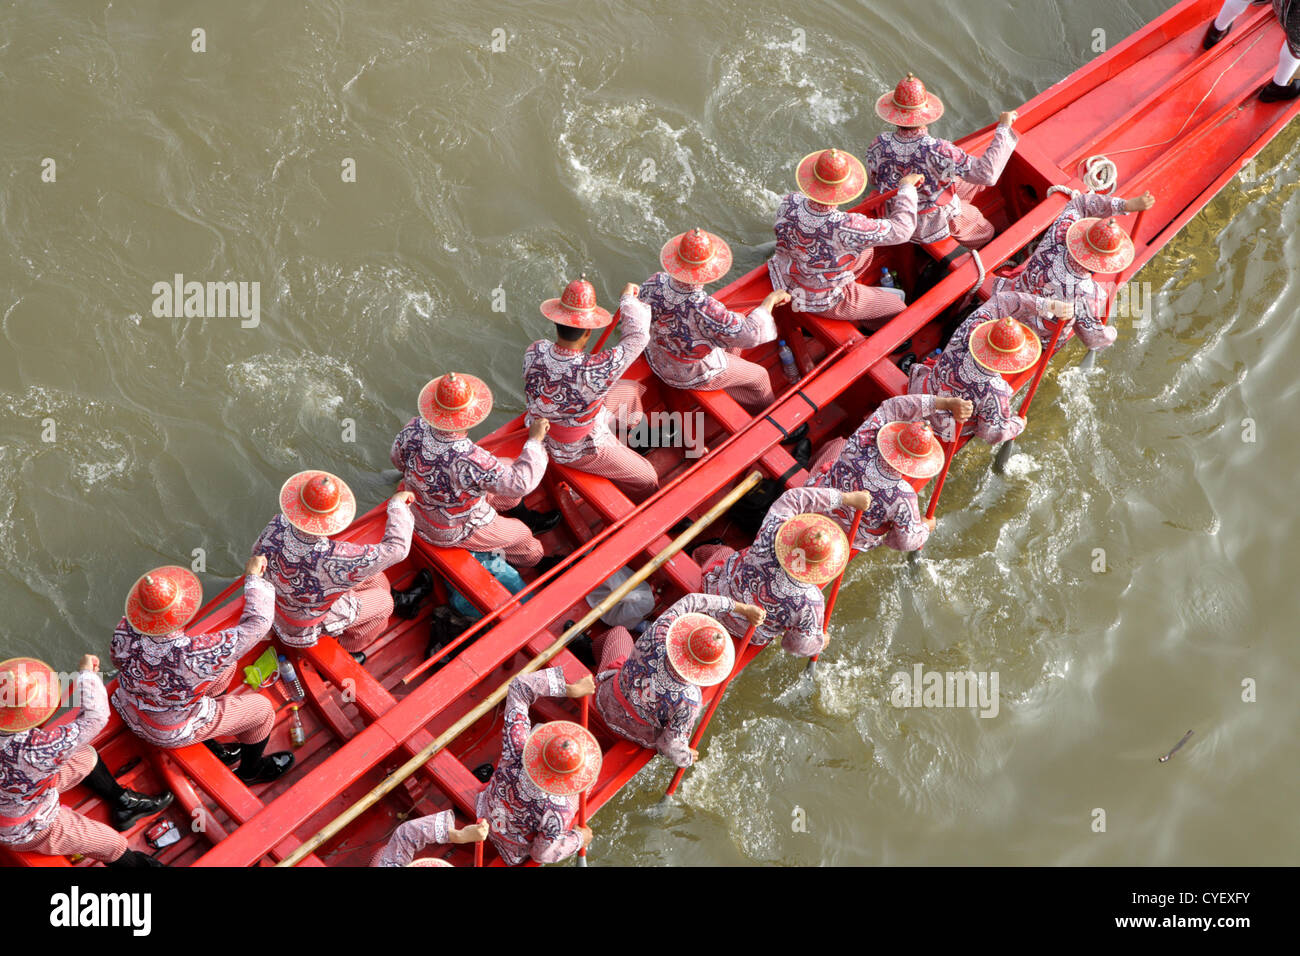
{"points": [[1157, 87]]}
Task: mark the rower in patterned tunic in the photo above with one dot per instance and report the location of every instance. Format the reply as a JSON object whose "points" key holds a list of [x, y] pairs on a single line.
{"points": [[532, 799], [581, 394], [1082, 243], [1283, 86], [951, 176], [798, 550], [415, 835], [695, 340], [39, 763], [894, 443], [459, 487], [323, 585], [171, 685], [649, 692], [821, 251], [992, 342]]}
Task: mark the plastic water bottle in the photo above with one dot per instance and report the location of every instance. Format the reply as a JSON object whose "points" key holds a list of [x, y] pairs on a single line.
{"points": [[297, 734], [886, 280], [787, 362], [290, 678]]}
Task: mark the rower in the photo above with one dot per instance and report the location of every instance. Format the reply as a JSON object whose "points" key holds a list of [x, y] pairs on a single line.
{"points": [[581, 394], [994, 341], [1283, 86], [38, 764], [694, 338], [323, 585], [1082, 243], [649, 692], [797, 551], [895, 443], [171, 685], [414, 835], [821, 251], [951, 176], [459, 487], [531, 800]]}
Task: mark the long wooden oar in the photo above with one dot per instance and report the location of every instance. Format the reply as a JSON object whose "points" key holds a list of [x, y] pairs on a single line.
{"points": [[478, 846], [713, 706], [1090, 358], [489, 703], [1008, 447], [950, 453], [582, 798], [835, 590]]}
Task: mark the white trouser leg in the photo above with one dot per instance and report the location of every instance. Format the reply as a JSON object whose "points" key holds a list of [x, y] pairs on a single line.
{"points": [[1231, 10], [1286, 66]]}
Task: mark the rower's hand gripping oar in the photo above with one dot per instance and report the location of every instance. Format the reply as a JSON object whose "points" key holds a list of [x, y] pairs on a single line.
{"points": [[811, 669], [713, 706], [1008, 447]]}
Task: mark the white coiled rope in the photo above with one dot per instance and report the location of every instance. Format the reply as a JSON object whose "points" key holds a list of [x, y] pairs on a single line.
{"points": [[1100, 174]]}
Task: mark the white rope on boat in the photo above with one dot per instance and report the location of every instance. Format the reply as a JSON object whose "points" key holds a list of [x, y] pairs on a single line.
{"points": [[1099, 172], [979, 264]]}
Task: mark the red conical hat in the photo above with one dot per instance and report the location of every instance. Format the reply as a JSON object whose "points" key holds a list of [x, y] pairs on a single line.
{"points": [[696, 257], [700, 650], [811, 548], [428, 861], [562, 758], [910, 104], [1004, 345], [317, 502], [910, 449], [831, 176], [455, 402], [576, 307], [29, 694], [1099, 245], [164, 600]]}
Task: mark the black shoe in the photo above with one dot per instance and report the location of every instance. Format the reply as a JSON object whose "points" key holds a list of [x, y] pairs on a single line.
{"points": [[265, 769], [802, 451], [359, 656], [1213, 35], [1273, 93], [582, 648], [796, 436], [548, 562], [648, 441], [538, 522], [226, 753], [132, 806], [134, 859], [483, 771], [406, 604]]}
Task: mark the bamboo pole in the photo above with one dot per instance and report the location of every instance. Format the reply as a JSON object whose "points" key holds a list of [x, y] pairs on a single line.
{"points": [[490, 702]]}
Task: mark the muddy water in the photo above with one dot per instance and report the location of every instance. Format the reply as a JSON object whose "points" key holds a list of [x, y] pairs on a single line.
{"points": [[590, 134]]}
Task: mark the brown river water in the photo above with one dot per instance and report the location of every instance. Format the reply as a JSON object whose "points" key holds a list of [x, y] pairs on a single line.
{"points": [[588, 136]]}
